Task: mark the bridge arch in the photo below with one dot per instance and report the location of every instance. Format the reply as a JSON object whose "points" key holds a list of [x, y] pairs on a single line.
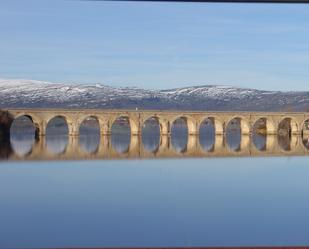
{"points": [[121, 133], [23, 135], [163, 125], [56, 142], [180, 130], [190, 122], [89, 134], [37, 122], [67, 122], [216, 122], [243, 122], [261, 130], [236, 133], [268, 127], [207, 133], [134, 128], [151, 134], [305, 126], [85, 118], [288, 124]]}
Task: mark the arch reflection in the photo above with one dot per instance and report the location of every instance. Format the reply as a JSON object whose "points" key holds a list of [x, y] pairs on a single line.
{"points": [[259, 141], [285, 134], [207, 134], [61, 149], [179, 135], [151, 134], [305, 135], [89, 135], [121, 135], [287, 126], [22, 135], [259, 134], [284, 142], [57, 135], [233, 134]]}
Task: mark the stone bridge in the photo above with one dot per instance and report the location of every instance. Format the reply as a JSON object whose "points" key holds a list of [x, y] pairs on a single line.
{"points": [[296, 122]]}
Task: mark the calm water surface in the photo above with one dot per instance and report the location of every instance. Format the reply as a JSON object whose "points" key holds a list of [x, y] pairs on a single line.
{"points": [[191, 202], [160, 202]]}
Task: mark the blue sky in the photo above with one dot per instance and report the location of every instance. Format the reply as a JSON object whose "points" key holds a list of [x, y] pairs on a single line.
{"points": [[156, 45]]}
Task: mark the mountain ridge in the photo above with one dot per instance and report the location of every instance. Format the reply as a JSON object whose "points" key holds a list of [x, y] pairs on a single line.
{"points": [[23, 93]]}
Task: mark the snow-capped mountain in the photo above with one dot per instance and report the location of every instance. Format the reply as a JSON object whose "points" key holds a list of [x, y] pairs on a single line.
{"points": [[39, 94]]}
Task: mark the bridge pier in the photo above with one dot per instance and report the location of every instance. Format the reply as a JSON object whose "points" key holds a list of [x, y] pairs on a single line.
{"points": [[219, 142], [73, 128], [219, 129], [193, 127], [245, 143], [105, 127], [164, 127], [40, 128], [192, 143]]}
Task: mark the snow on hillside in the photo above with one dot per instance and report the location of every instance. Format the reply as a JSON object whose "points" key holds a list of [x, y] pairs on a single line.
{"points": [[32, 88], [35, 94], [215, 92], [71, 90]]}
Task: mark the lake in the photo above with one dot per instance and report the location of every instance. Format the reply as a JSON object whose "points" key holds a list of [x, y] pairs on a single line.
{"points": [[119, 190]]}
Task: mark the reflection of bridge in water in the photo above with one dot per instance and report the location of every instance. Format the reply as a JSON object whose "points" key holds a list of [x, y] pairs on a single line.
{"points": [[72, 148], [260, 134]]}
